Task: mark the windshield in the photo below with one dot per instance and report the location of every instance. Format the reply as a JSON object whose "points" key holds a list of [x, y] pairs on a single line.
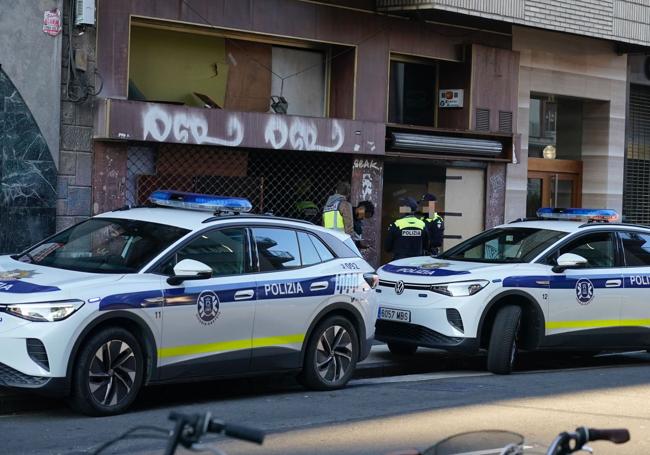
{"points": [[503, 245], [104, 245]]}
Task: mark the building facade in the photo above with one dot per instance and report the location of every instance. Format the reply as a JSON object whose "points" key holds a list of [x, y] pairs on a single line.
{"points": [[29, 127], [278, 101], [581, 99], [498, 108]]}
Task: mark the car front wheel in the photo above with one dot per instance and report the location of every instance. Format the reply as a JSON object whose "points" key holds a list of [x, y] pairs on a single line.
{"points": [[331, 355], [504, 340], [108, 373]]}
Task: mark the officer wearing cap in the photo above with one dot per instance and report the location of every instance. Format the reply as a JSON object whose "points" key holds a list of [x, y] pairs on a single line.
{"points": [[407, 236], [435, 224]]}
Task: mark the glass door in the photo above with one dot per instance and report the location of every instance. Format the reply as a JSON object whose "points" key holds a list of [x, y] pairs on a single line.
{"points": [[552, 189]]}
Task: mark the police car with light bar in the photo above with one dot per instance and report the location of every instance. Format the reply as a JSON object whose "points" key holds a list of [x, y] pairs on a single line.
{"points": [[572, 279], [170, 292]]}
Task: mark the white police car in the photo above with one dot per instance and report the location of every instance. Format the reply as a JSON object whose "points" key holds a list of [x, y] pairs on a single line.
{"points": [[160, 294], [532, 284]]}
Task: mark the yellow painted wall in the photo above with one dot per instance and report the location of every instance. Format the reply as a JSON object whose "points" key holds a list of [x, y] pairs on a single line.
{"points": [[169, 65]]}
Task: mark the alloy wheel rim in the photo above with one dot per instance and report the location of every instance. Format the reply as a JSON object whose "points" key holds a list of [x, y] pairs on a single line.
{"points": [[334, 354], [112, 373]]}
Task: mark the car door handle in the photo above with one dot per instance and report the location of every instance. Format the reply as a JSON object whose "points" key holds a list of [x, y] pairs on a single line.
{"points": [[613, 283], [244, 295], [319, 286]]}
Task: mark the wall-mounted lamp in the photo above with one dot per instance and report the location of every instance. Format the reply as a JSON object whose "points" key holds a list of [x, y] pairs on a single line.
{"points": [[549, 152]]}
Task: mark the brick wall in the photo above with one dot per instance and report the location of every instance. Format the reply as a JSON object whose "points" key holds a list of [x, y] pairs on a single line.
{"points": [[76, 145]]}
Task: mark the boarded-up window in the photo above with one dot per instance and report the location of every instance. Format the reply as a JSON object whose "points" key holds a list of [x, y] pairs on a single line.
{"points": [[299, 77]]}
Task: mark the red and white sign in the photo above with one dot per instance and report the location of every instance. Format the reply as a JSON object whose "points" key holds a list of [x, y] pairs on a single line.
{"points": [[52, 22]]}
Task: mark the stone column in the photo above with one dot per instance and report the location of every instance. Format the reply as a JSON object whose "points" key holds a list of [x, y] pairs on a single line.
{"points": [[109, 176], [495, 194], [603, 153], [367, 185]]}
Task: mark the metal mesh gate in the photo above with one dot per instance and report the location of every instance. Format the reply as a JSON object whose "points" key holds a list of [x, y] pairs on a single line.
{"points": [[636, 190], [285, 183]]}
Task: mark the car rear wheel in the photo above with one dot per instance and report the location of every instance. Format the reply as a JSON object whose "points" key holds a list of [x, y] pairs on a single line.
{"points": [[108, 373], [331, 355], [402, 349], [504, 340]]}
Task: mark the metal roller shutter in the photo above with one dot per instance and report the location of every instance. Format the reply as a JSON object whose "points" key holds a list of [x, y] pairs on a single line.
{"points": [[636, 190]]}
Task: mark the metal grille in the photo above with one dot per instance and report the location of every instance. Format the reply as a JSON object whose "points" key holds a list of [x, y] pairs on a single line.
{"points": [[37, 352], [505, 121], [274, 181], [412, 333], [482, 119], [636, 190], [454, 318]]}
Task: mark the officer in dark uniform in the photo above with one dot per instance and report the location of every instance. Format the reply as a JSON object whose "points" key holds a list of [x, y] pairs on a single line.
{"points": [[407, 236], [435, 224]]}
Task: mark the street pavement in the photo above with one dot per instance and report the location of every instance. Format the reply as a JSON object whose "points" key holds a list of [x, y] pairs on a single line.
{"points": [[549, 394]]}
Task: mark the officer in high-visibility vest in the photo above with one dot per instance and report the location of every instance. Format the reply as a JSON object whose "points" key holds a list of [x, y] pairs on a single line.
{"points": [[337, 213], [407, 236], [435, 223]]}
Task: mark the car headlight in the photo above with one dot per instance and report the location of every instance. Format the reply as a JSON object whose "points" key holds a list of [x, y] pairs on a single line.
{"points": [[460, 288], [44, 311]]}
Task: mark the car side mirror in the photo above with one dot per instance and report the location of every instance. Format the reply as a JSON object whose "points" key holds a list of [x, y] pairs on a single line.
{"points": [[189, 269], [569, 261]]}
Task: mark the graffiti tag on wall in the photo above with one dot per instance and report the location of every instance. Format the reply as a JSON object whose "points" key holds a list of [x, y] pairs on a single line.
{"points": [[302, 134], [160, 125], [186, 125]]}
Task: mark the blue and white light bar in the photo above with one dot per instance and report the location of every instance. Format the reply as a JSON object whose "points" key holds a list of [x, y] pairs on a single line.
{"points": [[605, 215], [196, 201]]}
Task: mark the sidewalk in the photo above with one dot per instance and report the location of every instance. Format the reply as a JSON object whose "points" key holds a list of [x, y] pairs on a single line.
{"points": [[379, 363]]}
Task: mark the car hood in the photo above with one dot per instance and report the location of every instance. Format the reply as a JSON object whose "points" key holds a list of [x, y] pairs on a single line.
{"points": [[22, 282], [431, 270]]}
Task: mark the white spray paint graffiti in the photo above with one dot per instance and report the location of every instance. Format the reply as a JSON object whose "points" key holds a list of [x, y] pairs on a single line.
{"points": [[366, 187], [301, 135], [366, 164], [372, 168], [159, 125]]}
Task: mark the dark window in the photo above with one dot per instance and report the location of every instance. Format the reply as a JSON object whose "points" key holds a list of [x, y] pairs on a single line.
{"points": [[277, 249], [105, 245], [598, 249], [636, 247], [324, 252], [502, 245], [224, 250], [412, 97], [557, 122], [308, 250]]}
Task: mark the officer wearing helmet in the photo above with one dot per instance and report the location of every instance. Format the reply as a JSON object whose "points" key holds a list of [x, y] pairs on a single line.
{"points": [[435, 224], [407, 236]]}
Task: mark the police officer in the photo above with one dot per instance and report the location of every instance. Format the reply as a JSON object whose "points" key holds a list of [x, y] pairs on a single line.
{"points": [[337, 213], [435, 224], [407, 236]]}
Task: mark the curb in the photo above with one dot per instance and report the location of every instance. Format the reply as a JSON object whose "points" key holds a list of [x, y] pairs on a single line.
{"points": [[378, 364], [17, 401]]}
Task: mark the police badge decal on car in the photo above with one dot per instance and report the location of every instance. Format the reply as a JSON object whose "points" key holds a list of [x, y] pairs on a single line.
{"points": [[584, 291], [207, 306]]}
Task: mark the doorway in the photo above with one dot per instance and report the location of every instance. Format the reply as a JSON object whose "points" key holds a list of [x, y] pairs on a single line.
{"points": [[404, 178], [553, 183]]}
